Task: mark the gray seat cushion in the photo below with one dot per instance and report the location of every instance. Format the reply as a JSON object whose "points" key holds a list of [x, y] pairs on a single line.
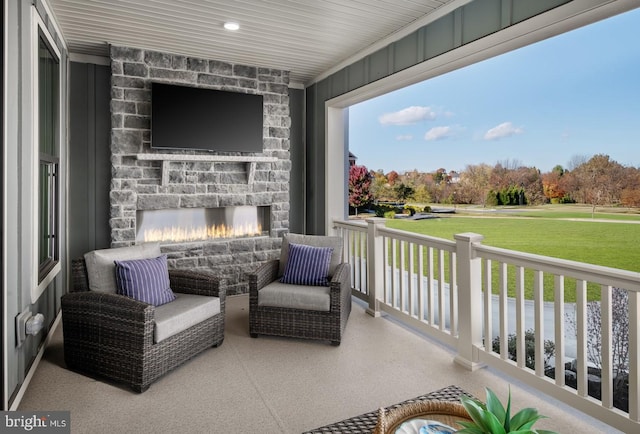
{"points": [[315, 241], [284, 295], [185, 311]]}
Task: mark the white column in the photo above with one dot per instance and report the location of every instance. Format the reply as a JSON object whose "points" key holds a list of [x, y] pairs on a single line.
{"points": [[469, 300]]}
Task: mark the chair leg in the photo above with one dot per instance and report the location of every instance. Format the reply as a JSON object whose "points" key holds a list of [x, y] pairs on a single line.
{"points": [[253, 335], [335, 343], [217, 344]]}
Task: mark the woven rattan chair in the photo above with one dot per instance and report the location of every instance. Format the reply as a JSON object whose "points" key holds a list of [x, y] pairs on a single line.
{"points": [[112, 336], [300, 323]]}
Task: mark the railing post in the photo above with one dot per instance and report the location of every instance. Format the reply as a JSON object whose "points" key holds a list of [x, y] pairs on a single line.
{"points": [[375, 264], [469, 300]]}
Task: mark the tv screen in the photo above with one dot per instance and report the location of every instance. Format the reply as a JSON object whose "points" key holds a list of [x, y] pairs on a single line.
{"points": [[185, 117]]}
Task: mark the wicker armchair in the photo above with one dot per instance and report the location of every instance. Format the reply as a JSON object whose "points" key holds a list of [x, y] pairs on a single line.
{"points": [[299, 323], [112, 336]]}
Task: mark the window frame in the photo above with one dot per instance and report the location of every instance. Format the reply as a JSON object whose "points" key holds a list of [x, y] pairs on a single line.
{"points": [[45, 272]]}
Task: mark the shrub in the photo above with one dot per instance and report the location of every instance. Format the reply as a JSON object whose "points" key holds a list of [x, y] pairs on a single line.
{"points": [[390, 215], [383, 209], [529, 348]]}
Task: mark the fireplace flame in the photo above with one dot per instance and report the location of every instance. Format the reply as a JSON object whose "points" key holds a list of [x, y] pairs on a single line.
{"points": [[202, 233]]}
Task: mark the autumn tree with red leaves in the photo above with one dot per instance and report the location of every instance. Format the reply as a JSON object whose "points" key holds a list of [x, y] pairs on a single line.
{"points": [[359, 187]]}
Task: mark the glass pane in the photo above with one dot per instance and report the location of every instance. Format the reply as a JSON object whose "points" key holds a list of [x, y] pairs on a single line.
{"points": [[48, 83], [44, 206]]}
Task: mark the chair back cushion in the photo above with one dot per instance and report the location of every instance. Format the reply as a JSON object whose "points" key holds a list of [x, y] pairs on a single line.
{"points": [[307, 265], [145, 280], [101, 269], [314, 241]]}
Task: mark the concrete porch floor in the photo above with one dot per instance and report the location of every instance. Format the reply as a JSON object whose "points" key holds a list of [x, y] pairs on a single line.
{"points": [[280, 385]]}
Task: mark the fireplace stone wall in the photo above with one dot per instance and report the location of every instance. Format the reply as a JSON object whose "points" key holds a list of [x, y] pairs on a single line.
{"points": [[137, 184]]}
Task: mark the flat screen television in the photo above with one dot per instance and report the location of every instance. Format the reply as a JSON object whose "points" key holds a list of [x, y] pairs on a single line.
{"points": [[195, 118]]}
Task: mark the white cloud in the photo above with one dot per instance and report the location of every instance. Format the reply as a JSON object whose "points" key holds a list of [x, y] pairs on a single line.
{"points": [[505, 129], [403, 137], [437, 133], [407, 116]]}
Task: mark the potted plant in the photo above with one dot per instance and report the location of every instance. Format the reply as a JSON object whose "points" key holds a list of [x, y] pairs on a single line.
{"points": [[494, 418]]}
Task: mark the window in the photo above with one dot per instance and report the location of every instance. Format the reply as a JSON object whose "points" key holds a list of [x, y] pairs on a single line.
{"points": [[48, 152]]}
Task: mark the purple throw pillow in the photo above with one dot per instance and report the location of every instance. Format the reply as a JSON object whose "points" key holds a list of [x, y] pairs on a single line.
{"points": [[307, 265], [146, 280]]}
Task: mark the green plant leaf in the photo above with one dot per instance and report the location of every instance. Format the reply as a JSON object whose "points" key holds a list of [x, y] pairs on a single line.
{"points": [[495, 426], [469, 428], [507, 416], [477, 411], [525, 419], [495, 406], [544, 431]]}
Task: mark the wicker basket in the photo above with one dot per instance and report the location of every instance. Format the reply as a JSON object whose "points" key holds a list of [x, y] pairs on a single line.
{"points": [[448, 413]]}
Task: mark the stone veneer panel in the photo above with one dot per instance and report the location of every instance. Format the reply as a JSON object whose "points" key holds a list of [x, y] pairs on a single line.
{"points": [[137, 184]]}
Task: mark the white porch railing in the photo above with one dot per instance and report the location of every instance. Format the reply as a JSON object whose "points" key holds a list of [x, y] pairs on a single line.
{"points": [[466, 294]]}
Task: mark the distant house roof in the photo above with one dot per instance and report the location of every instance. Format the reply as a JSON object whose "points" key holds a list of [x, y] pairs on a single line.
{"points": [[352, 159]]}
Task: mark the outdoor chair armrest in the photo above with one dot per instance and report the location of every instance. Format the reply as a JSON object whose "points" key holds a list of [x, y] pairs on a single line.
{"points": [[95, 315], [264, 275], [340, 286]]}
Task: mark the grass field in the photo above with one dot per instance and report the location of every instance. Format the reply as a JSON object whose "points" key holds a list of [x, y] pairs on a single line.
{"points": [[612, 244]]}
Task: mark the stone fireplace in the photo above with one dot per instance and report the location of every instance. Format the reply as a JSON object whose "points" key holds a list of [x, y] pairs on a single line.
{"points": [[218, 190]]}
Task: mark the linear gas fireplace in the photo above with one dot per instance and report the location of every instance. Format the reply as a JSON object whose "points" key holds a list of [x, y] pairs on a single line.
{"points": [[201, 224]]}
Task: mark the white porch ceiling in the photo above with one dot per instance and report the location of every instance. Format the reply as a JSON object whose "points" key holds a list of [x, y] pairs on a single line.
{"points": [[306, 37]]}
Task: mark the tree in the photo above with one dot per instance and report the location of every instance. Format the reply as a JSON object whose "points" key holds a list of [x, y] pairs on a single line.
{"points": [[475, 184], [600, 181], [403, 192], [359, 187], [392, 177]]}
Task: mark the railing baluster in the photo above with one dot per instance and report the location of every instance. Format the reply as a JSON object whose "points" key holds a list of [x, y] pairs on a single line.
{"points": [[430, 282], [520, 327], [394, 273], [606, 373], [363, 263], [387, 277], [488, 306], [538, 300], [453, 295], [634, 356], [411, 286], [441, 283], [420, 277], [582, 336], [504, 315], [559, 329], [401, 275]]}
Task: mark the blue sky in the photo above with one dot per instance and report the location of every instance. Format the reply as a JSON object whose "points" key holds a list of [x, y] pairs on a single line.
{"points": [[576, 94]]}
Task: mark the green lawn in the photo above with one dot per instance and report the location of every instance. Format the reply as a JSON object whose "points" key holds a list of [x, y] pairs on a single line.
{"points": [[609, 244]]}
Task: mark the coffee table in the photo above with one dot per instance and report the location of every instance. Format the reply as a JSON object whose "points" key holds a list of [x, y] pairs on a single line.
{"points": [[365, 423]]}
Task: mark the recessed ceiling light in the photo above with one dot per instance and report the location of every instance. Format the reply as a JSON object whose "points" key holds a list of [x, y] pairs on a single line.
{"points": [[230, 25]]}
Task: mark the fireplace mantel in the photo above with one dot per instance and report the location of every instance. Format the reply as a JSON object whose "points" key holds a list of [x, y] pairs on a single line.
{"points": [[168, 158]]}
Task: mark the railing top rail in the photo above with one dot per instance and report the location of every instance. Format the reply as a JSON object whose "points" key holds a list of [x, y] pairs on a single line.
{"points": [[629, 280], [426, 240], [358, 225]]}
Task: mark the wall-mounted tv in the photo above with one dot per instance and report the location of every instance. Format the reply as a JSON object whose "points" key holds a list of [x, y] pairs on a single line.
{"points": [[184, 117]]}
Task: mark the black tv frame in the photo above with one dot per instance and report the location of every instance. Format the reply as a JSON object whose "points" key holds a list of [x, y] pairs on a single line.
{"points": [[205, 119]]}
